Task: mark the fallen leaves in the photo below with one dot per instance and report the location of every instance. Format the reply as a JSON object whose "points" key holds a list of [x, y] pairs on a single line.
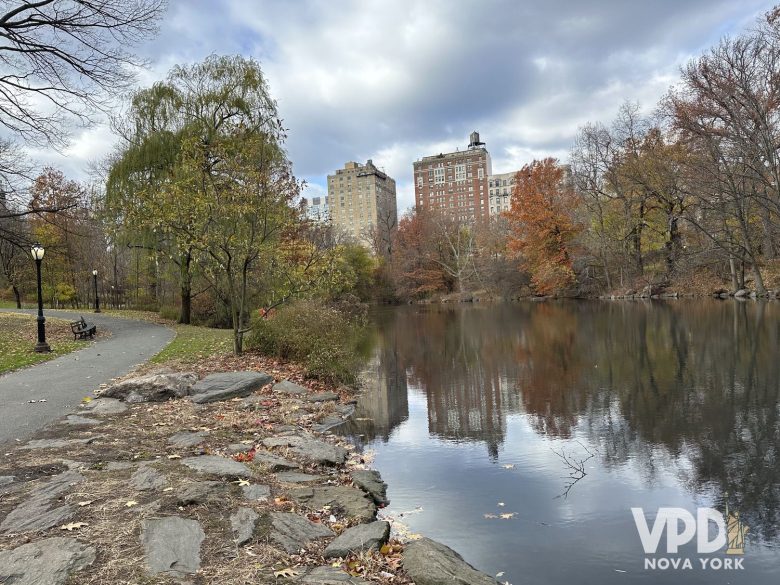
{"points": [[84, 503], [286, 573], [130, 503], [73, 526]]}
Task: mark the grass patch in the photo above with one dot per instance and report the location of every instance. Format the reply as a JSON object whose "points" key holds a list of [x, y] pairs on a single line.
{"points": [[20, 334], [193, 343]]}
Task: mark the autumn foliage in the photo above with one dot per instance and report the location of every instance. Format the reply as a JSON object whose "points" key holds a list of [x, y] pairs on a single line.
{"points": [[543, 226]]}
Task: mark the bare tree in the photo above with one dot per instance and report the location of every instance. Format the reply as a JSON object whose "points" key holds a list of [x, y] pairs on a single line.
{"points": [[63, 58]]}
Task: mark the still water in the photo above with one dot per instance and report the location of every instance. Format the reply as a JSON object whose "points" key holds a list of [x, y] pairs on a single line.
{"points": [[481, 411]]}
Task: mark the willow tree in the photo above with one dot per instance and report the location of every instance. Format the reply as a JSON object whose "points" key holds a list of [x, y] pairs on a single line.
{"points": [[201, 105]]}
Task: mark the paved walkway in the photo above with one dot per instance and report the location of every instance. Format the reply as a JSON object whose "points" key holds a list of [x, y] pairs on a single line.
{"points": [[64, 381]]}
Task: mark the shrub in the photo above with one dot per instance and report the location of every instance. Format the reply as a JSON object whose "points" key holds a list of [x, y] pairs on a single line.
{"points": [[169, 312], [325, 339]]}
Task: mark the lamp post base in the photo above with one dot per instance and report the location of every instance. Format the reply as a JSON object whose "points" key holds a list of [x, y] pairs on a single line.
{"points": [[42, 347]]}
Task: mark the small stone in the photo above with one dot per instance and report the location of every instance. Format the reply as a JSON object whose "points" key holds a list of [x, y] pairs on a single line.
{"points": [[310, 448], [216, 465], [296, 477], [287, 387], [6, 479], [256, 492], [330, 576], [273, 463], [77, 420], [371, 482], [119, 465], [350, 501], [322, 397], [293, 532], [172, 545], [187, 439], [225, 386], [147, 478], [197, 492], [46, 562], [359, 538], [105, 406], [152, 388], [430, 563], [327, 423], [243, 524], [236, 448]]}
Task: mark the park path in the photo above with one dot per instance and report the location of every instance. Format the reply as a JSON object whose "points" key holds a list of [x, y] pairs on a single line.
{"points": [[63, 382]]}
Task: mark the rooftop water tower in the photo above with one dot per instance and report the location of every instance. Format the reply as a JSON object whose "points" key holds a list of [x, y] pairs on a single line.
{"points": [[474, 140]]}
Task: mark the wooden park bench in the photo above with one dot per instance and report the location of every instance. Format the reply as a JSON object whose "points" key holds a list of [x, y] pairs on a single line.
{"points": [[81, 329]]}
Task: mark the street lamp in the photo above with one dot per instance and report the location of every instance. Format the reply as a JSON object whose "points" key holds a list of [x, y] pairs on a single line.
{"points": [[40, 347], [97, 299]]}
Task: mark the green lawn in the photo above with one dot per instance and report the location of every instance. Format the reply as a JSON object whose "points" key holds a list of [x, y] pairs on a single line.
{"points": [[19, 337], [192, 344]]}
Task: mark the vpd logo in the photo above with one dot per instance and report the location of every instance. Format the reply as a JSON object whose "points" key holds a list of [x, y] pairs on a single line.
{"points": [[682, 527]]}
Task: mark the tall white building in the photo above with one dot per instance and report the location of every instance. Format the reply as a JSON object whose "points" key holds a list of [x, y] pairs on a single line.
{"points": [[500, 188], [317, 209]]}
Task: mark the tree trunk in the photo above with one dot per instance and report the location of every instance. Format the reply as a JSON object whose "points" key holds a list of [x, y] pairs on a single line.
{"points": [[17, 296], [760, 288], [185, 314], [734, 278]]}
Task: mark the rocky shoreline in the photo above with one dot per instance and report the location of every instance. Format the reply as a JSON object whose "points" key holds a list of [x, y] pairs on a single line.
{"points": [[227, 477]]}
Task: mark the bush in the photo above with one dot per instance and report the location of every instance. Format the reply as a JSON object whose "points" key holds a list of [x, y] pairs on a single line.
{"points": [[325, 339], [169, 312]]}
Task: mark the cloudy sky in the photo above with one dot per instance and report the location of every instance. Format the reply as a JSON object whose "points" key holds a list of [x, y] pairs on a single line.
{"points": [[394, 80]]}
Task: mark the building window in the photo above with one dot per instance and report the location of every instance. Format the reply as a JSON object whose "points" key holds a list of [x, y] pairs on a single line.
{"points": [[460, 172], [419, 181], [480, 173], [438, 176]]}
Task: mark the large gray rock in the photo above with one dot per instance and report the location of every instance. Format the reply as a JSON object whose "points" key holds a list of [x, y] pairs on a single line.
{"points": [[46, 562], [40, 511], [290, 389], [217, 387], [310, 448], [197, 492], [330, 576], [349, 501], [59, 443], [172, 545], [296, 477], [216, 465], [371, 482], [256, 492], [147, 478], [106, 406], [359, 538], [273, 463], [6, 479], [242, 523], [186, 439], [741, 293], [152, 388], [430, 563], [322, 397], [80, 421], [293, 532]]}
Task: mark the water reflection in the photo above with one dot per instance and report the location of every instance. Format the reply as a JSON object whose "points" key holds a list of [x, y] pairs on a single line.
{"points": [[682, 388]]}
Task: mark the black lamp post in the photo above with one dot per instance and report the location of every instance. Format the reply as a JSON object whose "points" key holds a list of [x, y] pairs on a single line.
{"points": [[40, 347], [97, 298]]}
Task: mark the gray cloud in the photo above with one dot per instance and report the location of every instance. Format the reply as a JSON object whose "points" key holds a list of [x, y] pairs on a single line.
{"points": [[396, 80]]}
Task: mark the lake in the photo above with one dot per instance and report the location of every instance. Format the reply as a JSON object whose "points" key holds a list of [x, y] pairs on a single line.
{"points": [[521, 435]]}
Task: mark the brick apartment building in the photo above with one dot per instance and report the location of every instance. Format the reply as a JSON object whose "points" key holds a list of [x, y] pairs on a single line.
{"points": [[455, 182]]}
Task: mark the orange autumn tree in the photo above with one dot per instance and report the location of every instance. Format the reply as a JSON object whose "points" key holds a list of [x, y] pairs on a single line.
{"points": [[543, 225]]}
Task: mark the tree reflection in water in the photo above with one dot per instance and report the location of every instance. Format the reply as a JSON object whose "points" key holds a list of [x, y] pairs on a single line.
{"points": [[685, 385]]}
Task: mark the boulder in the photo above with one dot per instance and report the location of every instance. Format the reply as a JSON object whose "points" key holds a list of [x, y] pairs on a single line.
{"points": [[359, 538], [216, 465], [327, 423], [242, 523], [59, 443], [152, 388], [256, 492], [322, 397], [147, 478], [6, 479], [46, 562], [430, 563], [290, 389], [106, 406], [216, 387], [741, 293], [172, 545], [371, 482], [345, 500], [296, 477], [187, 439], [273, 463], [292, 532], [236, 448], [329, 576], [40, 511], [76, 420], [310, 448], [197, 492]]}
